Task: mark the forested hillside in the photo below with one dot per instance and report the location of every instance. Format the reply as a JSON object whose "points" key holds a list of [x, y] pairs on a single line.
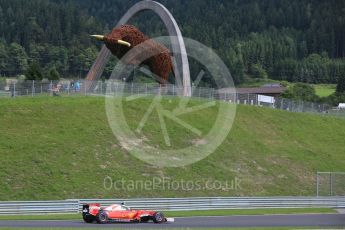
{"points": [[286, 40], [49, 33]]}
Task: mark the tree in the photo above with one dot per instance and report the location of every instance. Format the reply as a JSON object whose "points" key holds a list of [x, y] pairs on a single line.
{"points": [[257, 71], [18, 59], [238, 71], [3, 58], [53, 74], [341, 84], [286, 69], [34, 72], [301, 92]]}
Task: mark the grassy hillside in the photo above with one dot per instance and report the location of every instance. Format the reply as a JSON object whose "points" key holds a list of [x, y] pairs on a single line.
{"points": [[57, 148]]}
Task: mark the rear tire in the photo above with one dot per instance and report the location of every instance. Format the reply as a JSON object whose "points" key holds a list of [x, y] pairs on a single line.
{"points": [[88, 218], [158, 218], [102, 218]]}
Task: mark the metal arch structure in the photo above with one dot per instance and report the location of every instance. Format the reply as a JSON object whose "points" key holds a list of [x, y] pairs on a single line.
{"points": [[180, 59]]}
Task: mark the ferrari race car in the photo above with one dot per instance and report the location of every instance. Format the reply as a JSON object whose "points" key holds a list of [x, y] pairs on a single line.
{"points": [[120, 213]]}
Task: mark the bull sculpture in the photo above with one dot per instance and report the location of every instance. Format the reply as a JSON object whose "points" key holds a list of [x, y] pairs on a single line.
{"points": [[155, 55]]}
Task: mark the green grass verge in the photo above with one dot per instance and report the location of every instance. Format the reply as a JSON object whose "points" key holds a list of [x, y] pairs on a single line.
{"points": [[324, 90], [227, 212], [62, 148]]}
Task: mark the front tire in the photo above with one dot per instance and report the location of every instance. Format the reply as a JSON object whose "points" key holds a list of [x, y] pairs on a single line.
{"points": [[158, 218], [102, 218]]}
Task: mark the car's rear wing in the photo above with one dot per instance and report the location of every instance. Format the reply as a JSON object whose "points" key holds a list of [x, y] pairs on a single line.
{"points": [[87, 207]]}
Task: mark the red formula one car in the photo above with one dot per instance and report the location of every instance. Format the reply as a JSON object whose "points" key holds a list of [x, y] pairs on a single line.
{"points": [[120, 213]]}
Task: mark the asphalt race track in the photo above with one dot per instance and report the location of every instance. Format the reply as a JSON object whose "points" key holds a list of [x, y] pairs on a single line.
{"points": [[321, 220]]}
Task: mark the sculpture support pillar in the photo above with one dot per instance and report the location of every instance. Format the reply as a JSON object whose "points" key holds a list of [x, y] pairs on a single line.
{"points": [[181, 65]]}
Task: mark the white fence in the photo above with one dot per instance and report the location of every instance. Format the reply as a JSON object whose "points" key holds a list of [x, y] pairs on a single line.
{"points": [[172, 204], [32, 88]]}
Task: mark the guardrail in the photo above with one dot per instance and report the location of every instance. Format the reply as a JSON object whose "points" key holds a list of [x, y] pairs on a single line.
{"points": [[209, 203], [39, 207], [173, 204]]}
